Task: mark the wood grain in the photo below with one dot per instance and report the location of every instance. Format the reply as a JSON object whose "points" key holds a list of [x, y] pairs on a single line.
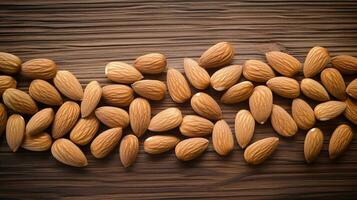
{"points": [[83, 36]]}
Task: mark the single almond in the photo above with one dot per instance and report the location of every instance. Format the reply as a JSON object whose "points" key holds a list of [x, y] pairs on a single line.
{"points": [[117, 95], [282, 122], [314, 90], [105, 142], [3, 118], [303, 114], [257, 71], [68, 153], [43, 92], [91, 98], [191, 148], [40, 68], [15, 131], [9, 63], [177, 85], [340, 140], [351, 110], [6, 82], [150, 89], [226, 77], [84, 130], [260, 150], [152, 63], [121, 72], [40, 121], [333, 81], [19, 101], [238, 93], [68, 85], [217, 55], [345, 64], [315, 61], [206, 106], [39, 142], [197, 75], [244, 126], [283, 63], [139, 115], [129, 149], [65, 118], [112, 116], [222, 138], [165, 120], [261, 103], [195, 126], [314, 141], [284, 86], [352, 89], [329, 110], [158, 144]]}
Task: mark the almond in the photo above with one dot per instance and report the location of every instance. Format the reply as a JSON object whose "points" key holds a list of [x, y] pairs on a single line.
{"points": [[6, 82], [165, 120], [222, 138], [282, 122], [39, 142], [206, 106], [238, 93], [334, 83], [15, 131], [112, 117], [314, 141], [329, 110], [303, 114], [190, 149], [314, 90], [40, 121], [152, 63], [284, 86], [226, 77], [283, 63], [117, 95], [244, 126], [3, 118], [68, 153], [140, 115], [19, 101], [150, 89], [217, 55], [260, 150], [195, 126], [91, 98], [261, 103], [9, 63], [315, 61], [352, 89], [84, 131], [257, 71], [351, 110], [160, 143], [105, 142], [177, 85], [121, 72], [40, 68], [45, 93], [197, 75], [65, 118], [129, 149], [345, 64], [68, 85], [339, 141]]}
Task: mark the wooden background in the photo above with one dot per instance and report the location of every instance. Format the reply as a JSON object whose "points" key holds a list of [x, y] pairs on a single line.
{"points": [[83, 37]]}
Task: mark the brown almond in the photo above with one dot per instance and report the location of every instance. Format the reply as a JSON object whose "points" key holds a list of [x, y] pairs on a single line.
{"points": [[333, 81], [15, 131], [195, 126], [117, 95], [191, 148], [314, 141], [150, 89], [9, 63], [238, 93], [315, 61], [112, 116], [217, 55], [91, 98], [158, 144], [345, 64], [257, 71], [284, 86], [3, 118], [197, 75], [339, 141], [352, 89], [283, 63], [222, 138], [206, 106], [43, 92], [39, 142], [351, 110], [152, 63], [19, 101], [129, 149], [84, 130], [140, 116], [177, 85], [226, 77], [105, 142], [68, 153], [282, 122], [65, 118], [68, 85], [244, 126], [329, 110], [261, 103], [40, 121], [165, 120], [40, 68], [260, 150], [303, 114], [314, 90], [121, 72], [6, 82]]}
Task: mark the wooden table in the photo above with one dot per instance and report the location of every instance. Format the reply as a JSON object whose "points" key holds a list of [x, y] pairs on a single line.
{"points": [[83, 37]]}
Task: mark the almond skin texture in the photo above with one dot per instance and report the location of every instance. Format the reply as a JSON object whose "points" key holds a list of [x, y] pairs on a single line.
{"points": [[284, 86], [117, 95], [244, 126], [352, 89], [334, 83], [283, 63], [339, 141], [19, 101], [226, 77], [314, 90], [65, 118], [68, 85], [3, 118], [6, 82], [345, 64], [206, 106], [315, 61], [197, 75], [40, 68], [282, 122], [257, 71], [15, 131], [238, 93], [43, 92], [217, 55], [314, 141], [9, 63], [190, 149], [105, 142], [152, 63], [91, 98], [260, 150], [112, 117], [160, 143], [129, 149], [329, 110], [84, 131], [165, 120], [121, 72], [351, 110], [195, 126], [150, 89], [39, 142], [40, 121], [303, 114], [222, 138], [140, 115], [261, 103], [177, 85], [68, 153]]}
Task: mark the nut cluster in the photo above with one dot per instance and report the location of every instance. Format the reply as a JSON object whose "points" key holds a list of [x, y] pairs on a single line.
{"points": [[71, 116]]}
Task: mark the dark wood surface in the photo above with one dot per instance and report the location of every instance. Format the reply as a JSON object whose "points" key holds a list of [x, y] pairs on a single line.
{"points": [[83, 37]]}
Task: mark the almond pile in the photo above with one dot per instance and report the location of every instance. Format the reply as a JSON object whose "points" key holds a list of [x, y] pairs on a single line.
{"points": [[58, 114]]}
